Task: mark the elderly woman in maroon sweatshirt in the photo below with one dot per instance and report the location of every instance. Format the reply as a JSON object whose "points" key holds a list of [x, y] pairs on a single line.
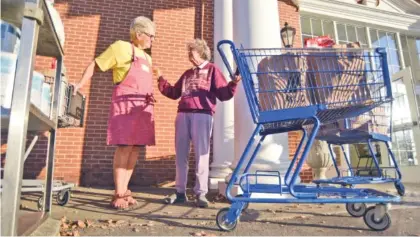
{"points": [[198, 89]]}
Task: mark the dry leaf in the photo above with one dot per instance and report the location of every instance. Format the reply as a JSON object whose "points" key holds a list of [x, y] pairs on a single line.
{"points": [[74, 226], [360, 231], [109, 221], [89, 223], [136, 230], [76, 233], [120, 222], [196, 234], [104, 227], [81, 224], [63, 219]]}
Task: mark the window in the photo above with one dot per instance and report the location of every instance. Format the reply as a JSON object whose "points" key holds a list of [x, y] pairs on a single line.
{"points": [[387, 40], [314, 27], [408, 54], [349, 34]]}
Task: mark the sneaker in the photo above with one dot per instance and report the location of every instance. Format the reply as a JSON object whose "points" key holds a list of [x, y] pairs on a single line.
{"points": [[202, 201], [176, 198]]}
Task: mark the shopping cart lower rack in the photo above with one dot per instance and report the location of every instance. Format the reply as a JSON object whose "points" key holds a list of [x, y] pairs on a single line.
{"points": [[289, 90], [373, 126]]}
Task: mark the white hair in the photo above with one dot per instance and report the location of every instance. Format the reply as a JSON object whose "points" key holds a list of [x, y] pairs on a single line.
{"points": [[200, 46], [140, 25]]}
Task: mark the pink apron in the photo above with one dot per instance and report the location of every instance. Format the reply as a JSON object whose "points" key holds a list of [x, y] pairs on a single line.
{"points": [[131, 118]]}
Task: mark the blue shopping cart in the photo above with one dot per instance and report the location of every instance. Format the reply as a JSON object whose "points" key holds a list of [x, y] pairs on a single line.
{"points": [[291, 90]]}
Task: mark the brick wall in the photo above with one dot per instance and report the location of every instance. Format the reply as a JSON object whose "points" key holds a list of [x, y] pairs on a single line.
{"points": [[90, 26]]}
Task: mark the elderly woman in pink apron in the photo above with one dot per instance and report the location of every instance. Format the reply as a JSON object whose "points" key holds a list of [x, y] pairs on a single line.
{"points": [[131, 119]]}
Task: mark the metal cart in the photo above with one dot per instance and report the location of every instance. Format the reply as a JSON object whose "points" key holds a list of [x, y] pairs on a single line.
{"points": [[289, 89], [38, 38]]}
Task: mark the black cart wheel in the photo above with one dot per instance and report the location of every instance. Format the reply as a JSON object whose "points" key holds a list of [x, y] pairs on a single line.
{"points": [[221, 220], [63, 197], [356, 209], [400, 188], [376, 224]]}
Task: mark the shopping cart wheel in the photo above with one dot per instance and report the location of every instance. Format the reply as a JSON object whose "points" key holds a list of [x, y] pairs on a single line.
{"points": [[63, 197], [374, 223], [221, 220], [400, 188], [356, 209], [40, 203]]}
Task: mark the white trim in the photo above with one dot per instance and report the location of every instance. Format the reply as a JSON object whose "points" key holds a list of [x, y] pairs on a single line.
{"points": [[360, 13]]}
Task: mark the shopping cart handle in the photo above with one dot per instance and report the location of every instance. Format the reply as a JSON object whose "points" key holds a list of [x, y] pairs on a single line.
{"points": [[223, 55]]}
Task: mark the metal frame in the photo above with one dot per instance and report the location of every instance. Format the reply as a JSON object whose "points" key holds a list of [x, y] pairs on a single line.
{"points": [[36, 23]]}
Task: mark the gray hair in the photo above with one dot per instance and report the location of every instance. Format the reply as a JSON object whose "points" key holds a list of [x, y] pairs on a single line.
{"points": [[200, 46], [140, 25]]}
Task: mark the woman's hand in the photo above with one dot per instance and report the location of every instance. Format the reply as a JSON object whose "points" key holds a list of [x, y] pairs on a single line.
{"points": [[157, 73], [76, 88], [237, 79]]}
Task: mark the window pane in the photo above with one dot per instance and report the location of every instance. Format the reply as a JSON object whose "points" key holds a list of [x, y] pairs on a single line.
{"points": [[407, 58], [374, 38], [361, 34], [329, 29], [316, 27], [404, 44], [306, 26], [392, 42], [383, 42], [341, 31], [393, 56], [351, 34]]}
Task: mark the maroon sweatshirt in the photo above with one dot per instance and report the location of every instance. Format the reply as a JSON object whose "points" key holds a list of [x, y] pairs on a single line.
{"points": [[198, 88]]}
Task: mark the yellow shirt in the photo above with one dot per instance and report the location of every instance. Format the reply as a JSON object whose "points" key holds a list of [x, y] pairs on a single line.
{"points": [[118, 58]]}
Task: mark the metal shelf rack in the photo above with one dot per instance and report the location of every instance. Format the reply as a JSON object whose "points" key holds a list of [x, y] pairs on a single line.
{"points": [[38, 38]]}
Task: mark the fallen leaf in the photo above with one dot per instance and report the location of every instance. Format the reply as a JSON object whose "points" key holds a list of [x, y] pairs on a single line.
{"points": [[196, 234], [104, 227], [136, 230], [360, 231], [323, 222], [411, 218], [150, 224], [120, 222], [63, 219], [338, 206], [109, 221], [76, 233], [81, 224], [89, 223], [74, 226]]}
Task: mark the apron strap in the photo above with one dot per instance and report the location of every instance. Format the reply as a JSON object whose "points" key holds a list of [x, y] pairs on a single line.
{"points": [[133, 55]]}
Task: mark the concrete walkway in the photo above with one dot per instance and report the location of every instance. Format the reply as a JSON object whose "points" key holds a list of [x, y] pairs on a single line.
{"points": [[91, 208]]}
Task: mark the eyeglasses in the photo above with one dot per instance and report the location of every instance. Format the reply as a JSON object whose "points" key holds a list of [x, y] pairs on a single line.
{"points": [[150, 35]]}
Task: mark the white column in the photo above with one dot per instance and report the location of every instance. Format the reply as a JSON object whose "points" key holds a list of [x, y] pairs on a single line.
{"points": [[223, 134], [256, 25]]}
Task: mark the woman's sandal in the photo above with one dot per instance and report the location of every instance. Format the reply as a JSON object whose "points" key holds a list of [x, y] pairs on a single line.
{"points": [[129, 198], [119, 202]]}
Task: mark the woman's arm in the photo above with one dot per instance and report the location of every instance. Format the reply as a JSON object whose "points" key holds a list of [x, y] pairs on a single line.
{"points": [[172, 92], [223, 90], [87, 75]]}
